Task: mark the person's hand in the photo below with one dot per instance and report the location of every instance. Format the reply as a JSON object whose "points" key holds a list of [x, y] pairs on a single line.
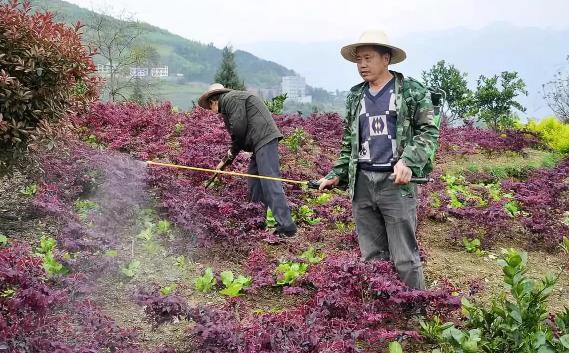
{"points": [[227, 160], [402, 173], [219, 166], [328, 183]]}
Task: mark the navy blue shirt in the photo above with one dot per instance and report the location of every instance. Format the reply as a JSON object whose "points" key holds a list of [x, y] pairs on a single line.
{"points": [[378, 125]]}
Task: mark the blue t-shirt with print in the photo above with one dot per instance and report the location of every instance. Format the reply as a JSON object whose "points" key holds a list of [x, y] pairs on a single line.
{"points": [[378, 125]]}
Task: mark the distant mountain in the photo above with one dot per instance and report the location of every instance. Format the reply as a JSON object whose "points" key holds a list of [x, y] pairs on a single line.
{"points": [[197, 61], [537, 54]]}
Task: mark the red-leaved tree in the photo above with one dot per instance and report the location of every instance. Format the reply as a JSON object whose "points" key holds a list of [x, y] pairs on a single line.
{"points": [[45, 72]]}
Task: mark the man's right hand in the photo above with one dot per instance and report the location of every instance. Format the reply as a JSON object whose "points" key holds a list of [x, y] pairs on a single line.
{"points": [[328, 183]]}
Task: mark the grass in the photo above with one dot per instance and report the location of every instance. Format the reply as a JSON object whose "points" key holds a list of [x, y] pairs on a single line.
{"points": [[181, 95], [502, 166]]}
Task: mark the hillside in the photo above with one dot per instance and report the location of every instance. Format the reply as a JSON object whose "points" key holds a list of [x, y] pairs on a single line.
{"points": [[197, 61]]}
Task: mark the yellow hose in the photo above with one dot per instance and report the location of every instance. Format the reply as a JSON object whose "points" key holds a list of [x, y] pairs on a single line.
{"points": [[215, 171]]}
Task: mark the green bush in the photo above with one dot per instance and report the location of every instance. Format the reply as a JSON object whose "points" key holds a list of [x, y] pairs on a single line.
{"points": [[45, 72], [288, 271], [46, 250], [276, 105], [205, 282], [234, 285], [295, 140], [518, 322], [554, 132]]}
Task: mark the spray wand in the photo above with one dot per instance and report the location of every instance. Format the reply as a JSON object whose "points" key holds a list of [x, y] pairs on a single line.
{"points": [[311, 184]]}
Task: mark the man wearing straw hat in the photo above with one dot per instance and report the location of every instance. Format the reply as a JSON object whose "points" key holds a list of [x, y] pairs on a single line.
{"points": [[389, 135], [253, 129]]}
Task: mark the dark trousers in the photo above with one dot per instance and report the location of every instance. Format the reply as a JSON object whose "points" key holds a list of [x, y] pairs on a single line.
{"points": [[386, 222], [266, 162]]}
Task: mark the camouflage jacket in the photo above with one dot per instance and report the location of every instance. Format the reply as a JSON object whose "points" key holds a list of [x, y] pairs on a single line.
{"points": [[416, 137]]}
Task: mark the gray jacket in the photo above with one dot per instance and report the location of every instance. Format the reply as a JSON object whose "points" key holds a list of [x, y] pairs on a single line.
{"points": [[248, 121]]}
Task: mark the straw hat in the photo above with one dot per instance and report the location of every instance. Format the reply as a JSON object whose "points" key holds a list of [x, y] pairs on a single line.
{"points": [[373, 38], [211, 90]]}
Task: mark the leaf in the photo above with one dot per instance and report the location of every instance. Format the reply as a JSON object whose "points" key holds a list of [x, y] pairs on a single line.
{"points": [[469, 346], [515, 260], [546, 349], [146, 234], [3, 239], [166, 291], [509, 271], [322, 199], [208, 274], [47, 244], [163, 226], [311, 256], [205, 282], [564, 340], [52, 266], [288, 271], [270, 220], [131, 269], [181, 262], [502, 263], [244, 281], [29, 190], [516, 316], [456, 334], [395, 347], [474, 335], [111, 253], [565, 243], [313, 221], [540, 340], [226, 278], [233, 290], [466, 303]]}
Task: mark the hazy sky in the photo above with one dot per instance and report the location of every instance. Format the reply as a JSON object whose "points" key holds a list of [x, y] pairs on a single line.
{"points": [[248, 21]]}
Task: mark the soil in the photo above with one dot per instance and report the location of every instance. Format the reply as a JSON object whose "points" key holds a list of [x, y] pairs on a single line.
{"points": [[448, 261]]}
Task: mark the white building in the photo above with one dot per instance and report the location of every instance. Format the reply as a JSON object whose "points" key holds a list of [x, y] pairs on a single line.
{"points": [[155, 72], [295, 88], [304, 99], [159, 71], [138, 72]]}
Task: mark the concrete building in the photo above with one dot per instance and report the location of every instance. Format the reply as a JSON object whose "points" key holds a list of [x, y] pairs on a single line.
{"points": [[295, 89], [138, 72], [269, 93], [154, 72], [159, 71]]}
